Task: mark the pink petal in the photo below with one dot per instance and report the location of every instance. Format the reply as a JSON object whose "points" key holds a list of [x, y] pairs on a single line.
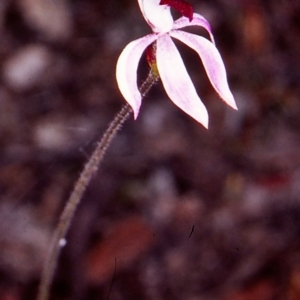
{"points": [[197, 20], [212, 62], [176, 80], [126, 71], [158, 17]]}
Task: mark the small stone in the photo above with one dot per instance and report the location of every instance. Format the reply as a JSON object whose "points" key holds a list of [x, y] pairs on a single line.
{"points": [[62, 243], [27, 67], [51, 18]]}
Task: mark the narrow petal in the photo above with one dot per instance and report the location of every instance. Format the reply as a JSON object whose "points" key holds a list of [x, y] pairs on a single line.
{"points": [[176, 80], [212, 62], [197, 20], [126, 71], [158, 17]]}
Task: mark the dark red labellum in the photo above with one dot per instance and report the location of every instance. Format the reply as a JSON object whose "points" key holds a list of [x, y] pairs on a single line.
{"points": [[181, 6], [151, 54]]}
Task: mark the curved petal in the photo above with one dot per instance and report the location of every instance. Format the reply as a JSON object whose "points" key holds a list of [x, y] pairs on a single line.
{"points": [[198, 20], [126, 71], [158, 17], [212, 62], [176, 80]]}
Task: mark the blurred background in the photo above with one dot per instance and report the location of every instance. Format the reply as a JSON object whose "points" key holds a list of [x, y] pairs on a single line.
{"points": [[175, 211]]}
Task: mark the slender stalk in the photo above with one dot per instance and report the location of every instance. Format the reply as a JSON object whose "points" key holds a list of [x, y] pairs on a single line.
{"points": [[80, 186]]}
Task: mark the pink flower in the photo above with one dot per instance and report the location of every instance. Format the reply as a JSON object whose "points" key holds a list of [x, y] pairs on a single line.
{"points": [[171, 69]]}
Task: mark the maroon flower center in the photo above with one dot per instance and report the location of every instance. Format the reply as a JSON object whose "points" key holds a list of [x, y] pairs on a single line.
{"points": [[181, 6]]}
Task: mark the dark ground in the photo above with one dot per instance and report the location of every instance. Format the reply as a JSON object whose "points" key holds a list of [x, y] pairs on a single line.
{"points": [[176, 211]]}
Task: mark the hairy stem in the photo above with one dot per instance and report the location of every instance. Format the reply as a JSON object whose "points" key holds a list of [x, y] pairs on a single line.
{"points": [[80, 186]]}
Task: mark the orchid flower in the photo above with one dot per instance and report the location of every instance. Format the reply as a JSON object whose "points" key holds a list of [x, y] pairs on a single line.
{"points": [[171, 69]]}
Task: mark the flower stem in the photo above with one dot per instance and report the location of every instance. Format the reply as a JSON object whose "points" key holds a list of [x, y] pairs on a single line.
{"points": [[80, 186]]}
